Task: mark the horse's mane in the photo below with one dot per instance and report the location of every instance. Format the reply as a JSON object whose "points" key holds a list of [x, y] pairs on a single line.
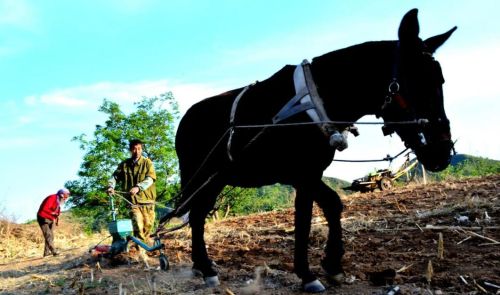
{"points": [[360, 52], [370, 62]]}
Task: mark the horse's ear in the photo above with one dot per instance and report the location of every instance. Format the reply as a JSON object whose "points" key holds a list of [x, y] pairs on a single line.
{"points": [[435, 42], [409, 28]]}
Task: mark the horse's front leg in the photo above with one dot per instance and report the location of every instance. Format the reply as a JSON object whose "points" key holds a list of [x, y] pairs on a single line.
{"points": [[303, 215], [329, 201]]}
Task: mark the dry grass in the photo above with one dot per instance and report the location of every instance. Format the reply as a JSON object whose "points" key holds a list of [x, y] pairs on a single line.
{"points": [[381, 230], [24, 241]]}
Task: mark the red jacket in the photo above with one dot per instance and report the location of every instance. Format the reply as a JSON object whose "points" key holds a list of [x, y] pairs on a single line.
{"points": [[50, 208]]}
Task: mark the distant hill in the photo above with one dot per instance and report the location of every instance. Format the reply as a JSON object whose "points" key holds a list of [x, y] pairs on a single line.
{"points": [[459, 158], [337, 184], [463, 165]]}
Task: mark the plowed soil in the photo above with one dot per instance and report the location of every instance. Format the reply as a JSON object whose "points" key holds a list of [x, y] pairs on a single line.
{"points": [[441, 238]]}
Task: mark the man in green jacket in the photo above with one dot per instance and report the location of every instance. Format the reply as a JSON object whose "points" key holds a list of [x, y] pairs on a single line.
{"points": [[137, 176]]}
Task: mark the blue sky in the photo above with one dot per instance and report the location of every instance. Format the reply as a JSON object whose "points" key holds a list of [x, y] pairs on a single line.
{"points": [[59, 59]]}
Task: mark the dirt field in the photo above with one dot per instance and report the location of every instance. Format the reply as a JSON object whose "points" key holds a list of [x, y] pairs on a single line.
{"points": [[442, 238]]}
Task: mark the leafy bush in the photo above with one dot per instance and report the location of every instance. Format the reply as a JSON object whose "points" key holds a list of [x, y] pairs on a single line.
{"points": [[469, 166], [240, 201], [243, 201]]}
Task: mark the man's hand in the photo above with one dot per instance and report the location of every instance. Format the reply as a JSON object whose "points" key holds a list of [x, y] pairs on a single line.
{"points": [[134, 190], [110, 190]]}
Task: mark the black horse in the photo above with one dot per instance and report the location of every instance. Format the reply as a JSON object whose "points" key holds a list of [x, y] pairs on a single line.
{"points": [[286, 129]]}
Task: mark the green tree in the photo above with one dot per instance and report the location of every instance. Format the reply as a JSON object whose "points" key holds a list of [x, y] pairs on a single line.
{"points": [[242, 201], [470, 166], [153, 121]]}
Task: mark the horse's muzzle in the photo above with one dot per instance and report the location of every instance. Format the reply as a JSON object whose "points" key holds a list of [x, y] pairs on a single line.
{"points": [[435, 156]]}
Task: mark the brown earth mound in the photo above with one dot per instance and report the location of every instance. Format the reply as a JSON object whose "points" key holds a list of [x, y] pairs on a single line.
{"points": [[442, 238]]}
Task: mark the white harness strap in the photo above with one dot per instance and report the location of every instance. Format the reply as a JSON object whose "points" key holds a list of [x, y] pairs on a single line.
{"points": [[231, 120], [307, 99], [302, 78]]}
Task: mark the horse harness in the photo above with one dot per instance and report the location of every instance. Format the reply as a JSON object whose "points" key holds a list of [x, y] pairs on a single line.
{"points": [[306, 100], [395, 100]]}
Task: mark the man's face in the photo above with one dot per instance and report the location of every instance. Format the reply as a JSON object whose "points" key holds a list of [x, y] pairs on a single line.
{"points": [[136, 151]]}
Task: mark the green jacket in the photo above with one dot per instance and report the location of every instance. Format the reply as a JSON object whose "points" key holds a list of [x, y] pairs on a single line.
{"points": [[129, 175]]}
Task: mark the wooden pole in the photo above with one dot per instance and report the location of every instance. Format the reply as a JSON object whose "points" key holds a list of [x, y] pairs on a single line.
{"points": [[424, 177]]}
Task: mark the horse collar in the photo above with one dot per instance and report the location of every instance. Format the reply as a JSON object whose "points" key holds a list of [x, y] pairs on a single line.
{"points": [[307, 99]]}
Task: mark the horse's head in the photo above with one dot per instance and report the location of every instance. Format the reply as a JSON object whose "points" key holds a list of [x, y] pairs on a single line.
{"points": [[415, 94]]}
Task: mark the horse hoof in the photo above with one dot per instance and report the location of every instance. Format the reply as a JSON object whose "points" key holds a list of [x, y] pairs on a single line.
{"points": [[314, 287], [212, 281], [337, 279]]}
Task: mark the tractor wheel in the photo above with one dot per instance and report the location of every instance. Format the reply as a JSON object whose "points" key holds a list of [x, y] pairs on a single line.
{"points": [[164, 265], [385, 183]]}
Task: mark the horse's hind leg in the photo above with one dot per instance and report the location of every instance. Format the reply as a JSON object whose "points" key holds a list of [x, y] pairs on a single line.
{"points": [[329, 201], [203, 203]]}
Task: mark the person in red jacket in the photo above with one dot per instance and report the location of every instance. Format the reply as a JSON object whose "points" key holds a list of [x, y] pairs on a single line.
{"points": [[47, 215]]}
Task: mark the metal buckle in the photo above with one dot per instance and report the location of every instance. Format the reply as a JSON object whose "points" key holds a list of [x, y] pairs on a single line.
{"points": [[393, 86]]}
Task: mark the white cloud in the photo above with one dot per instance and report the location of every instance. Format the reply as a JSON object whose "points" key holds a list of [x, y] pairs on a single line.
{"points": [[123, 92], [188, 94], [61, 99], [25, 119], [90, 96], [17, 17], [17, 13]]}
